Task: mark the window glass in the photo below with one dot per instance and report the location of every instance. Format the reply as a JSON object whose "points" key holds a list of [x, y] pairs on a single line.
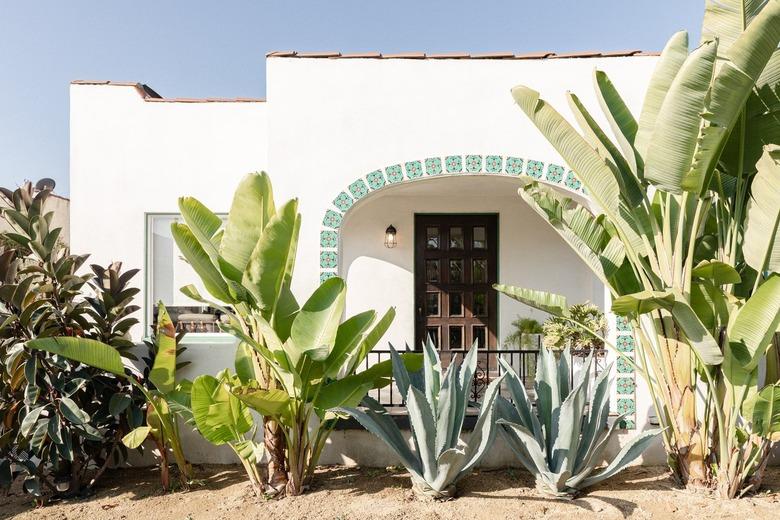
{"points": [[480, 237], [432, 238], [456, 336], [456, 238], [456, 270], [479, 270], [433, 334], [479, 333], [168, 272], [456, 304], [432, 304], [480, 304], [431, 270]]}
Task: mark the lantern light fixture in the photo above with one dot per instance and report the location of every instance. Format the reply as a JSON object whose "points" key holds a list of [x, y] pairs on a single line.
{"points": [[390, 237]]}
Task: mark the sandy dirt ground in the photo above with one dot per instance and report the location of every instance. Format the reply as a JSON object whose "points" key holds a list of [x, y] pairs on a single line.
{"points": [[354, 493]]}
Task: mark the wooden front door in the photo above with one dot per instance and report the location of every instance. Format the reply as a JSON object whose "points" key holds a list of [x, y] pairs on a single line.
{"points": [[455, 269]]}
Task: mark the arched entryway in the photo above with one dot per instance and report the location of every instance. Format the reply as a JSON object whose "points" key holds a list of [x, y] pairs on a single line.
{"points": [[529, 252]]}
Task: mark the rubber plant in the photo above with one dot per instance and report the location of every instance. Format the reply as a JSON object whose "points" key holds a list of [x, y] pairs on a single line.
{"points": [[167, 400], [563, 436], [56, 420], [683, 231], [436, 403]]}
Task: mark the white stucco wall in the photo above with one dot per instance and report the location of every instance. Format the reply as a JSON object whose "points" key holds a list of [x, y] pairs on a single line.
{"points": [[530, 253], [335, 120], [329, 122], [129, 157]]}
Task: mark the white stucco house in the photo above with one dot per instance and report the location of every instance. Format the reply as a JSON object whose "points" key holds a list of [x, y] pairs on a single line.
{"points": [[431, 145]]}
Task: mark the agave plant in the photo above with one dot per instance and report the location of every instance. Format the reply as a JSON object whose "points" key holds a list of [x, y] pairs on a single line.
{"points": [[557, 441], [436, 406]]}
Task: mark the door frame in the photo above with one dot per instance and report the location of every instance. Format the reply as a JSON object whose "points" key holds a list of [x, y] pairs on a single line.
{"points": [[418, 318]]}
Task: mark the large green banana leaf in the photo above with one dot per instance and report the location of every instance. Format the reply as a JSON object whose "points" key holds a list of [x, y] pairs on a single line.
{"points": [[203, 223], [589, 166], [252, 208], [697, 333], [751, 330], [620, 119], [88, 351], [219, 415], [317, 324], [671, 150], [672, 58], [552, 303], [761, 244], [269, 267], [197, 257], [163, 373], [733, 83]]}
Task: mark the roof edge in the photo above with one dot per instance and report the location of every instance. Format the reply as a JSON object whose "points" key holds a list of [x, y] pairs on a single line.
{"points": [[148, 94], [410, 55]]}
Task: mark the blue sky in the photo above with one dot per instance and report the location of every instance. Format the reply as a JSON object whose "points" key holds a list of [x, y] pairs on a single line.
{"points": [[217, 48]]}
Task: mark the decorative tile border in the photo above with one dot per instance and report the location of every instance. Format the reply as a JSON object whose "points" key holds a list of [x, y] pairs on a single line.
{"points": [[625, 384], [409, 171], [471, 164]]}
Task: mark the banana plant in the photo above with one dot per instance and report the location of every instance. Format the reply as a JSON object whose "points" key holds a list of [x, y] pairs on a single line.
{"points": [[683, 226], [222, 419], [166, 399], [557, 440], [317, 370], [246, 265], [436, 404]]}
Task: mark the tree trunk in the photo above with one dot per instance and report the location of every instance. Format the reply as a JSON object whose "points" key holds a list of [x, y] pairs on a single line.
{"points": [[273, 439], [688, 460]]}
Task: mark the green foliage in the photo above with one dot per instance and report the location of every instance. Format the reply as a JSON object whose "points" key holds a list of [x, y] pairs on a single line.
{"points": [[521, 329], [561, 333], [563, 438], [684, 231], [293, 363], [166, 399], [59, 419], [436, 403]]}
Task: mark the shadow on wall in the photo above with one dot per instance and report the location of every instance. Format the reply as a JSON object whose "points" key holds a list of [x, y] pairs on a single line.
{"points": [[530, 253]]}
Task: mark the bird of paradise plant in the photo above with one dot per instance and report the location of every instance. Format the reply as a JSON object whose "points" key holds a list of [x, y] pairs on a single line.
{"points": [[683, 230]]}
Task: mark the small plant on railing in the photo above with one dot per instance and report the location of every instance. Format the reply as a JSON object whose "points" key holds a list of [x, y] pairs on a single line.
{"points": [[552, 440], [561, 334], [525, 332], [437, 408]]}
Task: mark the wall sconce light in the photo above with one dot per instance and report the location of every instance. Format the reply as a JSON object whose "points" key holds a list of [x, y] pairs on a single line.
{"points": [[390, 237]]}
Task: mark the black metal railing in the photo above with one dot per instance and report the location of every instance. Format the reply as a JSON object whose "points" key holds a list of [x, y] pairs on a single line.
{"points": [[523, 361]]}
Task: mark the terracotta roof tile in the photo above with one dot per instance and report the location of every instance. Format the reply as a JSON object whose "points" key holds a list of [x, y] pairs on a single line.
{"points": [[616, 54], [463, 55], [405, 55], [318, 54], [580, 54], [534, 55], [371, 54], [448, 55], [493, 55]]}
